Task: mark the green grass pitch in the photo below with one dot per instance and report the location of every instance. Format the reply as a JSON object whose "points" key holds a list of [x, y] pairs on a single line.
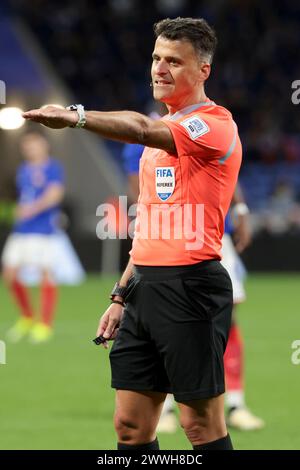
{"points": [[58, 396]]}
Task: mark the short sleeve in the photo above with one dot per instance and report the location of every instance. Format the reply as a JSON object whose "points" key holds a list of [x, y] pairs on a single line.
{"points": [[200, 136], [55, 173]]}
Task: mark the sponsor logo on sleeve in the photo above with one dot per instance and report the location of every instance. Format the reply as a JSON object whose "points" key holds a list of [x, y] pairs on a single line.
{"points": [[195, 127]]}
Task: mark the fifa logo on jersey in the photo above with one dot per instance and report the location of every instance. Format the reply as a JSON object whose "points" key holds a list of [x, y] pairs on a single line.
{"points": [[2, 352], [161, 172], [164, 182], [2, 92], [296, 93], [295, 358]]}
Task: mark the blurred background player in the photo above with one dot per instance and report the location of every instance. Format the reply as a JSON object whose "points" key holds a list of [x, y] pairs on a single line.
{"points": [[40, 185], [236, 238]]}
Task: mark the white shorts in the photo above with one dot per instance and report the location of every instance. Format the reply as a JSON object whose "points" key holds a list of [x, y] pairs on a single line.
{"points": [[33, 253], [235, 267], [28, 250]]}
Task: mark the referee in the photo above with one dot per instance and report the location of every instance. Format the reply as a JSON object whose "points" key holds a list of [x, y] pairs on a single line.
{"points": [[172, 333]]}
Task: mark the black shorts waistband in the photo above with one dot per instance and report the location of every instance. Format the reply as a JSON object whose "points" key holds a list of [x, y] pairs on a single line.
{"points": [[152, 273]]}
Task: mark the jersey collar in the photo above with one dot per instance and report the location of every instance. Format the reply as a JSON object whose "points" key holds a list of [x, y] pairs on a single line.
{"points": [[188, 109]]}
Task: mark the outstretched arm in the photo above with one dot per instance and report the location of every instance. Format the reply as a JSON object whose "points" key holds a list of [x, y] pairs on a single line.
{"points": [[124, 126]]}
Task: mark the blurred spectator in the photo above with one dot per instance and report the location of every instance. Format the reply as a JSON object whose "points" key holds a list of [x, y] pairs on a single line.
{"points": [[282, 213]]}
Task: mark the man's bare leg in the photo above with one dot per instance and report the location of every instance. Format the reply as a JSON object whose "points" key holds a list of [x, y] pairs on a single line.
{"points": [[136, 417], [203, 422]]}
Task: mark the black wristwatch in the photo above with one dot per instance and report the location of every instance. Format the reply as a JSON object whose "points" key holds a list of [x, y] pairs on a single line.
{"points": [[119, 291]]}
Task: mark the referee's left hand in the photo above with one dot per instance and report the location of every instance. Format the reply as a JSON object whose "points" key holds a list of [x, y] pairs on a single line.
{"points": [[52, 116], [109, 323]]}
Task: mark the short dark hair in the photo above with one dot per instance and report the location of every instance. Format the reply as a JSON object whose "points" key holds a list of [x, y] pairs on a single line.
{"points": [[195, 30]]}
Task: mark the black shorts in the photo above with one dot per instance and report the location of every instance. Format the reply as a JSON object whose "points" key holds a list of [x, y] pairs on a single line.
{"points": [[174, 331]]}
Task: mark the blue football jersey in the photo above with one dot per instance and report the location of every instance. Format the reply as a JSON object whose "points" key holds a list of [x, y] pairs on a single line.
{"points": [[131, 155], [228, 224], [32, 183]]}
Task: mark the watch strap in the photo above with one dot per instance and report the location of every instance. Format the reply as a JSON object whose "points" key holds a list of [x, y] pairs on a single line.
{"points": [[119, 291], [81, 114]]}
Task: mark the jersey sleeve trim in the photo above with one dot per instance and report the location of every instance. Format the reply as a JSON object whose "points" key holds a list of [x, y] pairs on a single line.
{"points": [[232, 145]]}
